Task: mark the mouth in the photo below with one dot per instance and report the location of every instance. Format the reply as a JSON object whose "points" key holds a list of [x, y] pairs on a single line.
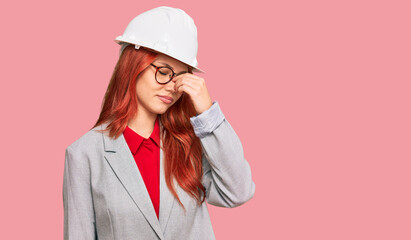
{"points": [[165, 99]]}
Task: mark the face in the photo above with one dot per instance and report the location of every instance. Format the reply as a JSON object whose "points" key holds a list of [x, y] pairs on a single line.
{"points": [[149, 90]]}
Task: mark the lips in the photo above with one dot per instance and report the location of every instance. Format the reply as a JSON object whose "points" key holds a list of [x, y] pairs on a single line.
{"points": [[166, 97]]}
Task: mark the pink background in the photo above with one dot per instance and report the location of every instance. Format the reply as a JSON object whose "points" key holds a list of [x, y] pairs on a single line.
{"points": [[318, 92]]}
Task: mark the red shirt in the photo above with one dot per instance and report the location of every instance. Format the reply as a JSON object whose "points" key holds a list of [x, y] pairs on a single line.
{"points": [[146, 153]]}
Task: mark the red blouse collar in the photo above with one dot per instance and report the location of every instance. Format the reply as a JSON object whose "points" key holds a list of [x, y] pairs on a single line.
{"points": [[134, 140]]}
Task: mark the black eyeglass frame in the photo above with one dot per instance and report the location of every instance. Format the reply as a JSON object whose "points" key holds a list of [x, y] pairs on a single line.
{"points": [[172, 76]]}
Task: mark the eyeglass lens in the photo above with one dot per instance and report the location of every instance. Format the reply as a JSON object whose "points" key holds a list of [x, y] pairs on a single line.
{"points": [[164, 74]]}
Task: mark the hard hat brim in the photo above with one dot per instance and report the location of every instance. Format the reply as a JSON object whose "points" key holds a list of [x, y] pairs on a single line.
{"points": [[119, 41]]}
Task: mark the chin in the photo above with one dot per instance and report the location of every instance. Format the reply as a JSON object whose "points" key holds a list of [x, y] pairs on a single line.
{"points": [[160, 109]]}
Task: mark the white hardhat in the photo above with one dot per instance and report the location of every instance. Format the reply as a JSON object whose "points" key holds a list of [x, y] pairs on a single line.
{"points": [[167, 30]]}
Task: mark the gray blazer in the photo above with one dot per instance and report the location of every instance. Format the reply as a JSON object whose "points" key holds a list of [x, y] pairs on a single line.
{"points": [[104, 195]]}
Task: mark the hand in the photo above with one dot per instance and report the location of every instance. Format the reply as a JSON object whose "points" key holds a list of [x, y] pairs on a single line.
{"points": [[196, 88]]}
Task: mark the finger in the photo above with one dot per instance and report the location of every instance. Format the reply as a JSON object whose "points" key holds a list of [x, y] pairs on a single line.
{"points": [[190, 82], [185, 88], [188, 75]]}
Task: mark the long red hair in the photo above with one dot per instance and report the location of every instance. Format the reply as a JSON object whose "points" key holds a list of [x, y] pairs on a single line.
{"points": [[182, 148]]}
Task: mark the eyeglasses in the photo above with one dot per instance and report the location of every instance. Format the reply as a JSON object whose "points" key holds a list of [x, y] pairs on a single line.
{"points": [[164, 74]]}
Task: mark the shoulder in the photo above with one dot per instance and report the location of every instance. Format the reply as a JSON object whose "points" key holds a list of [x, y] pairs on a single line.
{"points": [[90, 140]]}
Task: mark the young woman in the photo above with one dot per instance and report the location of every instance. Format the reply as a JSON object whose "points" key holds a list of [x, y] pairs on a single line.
{"points": [[160, 147]]}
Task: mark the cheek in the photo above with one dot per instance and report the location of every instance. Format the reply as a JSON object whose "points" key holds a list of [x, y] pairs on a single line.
{"points": [[145, 87], [140, 90]]}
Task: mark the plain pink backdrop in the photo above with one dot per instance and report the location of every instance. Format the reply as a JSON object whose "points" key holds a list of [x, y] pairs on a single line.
{"points": [[318, 92]]}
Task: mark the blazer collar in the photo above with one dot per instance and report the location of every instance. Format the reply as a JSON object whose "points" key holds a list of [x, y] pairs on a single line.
{"points": [[121, 160]]}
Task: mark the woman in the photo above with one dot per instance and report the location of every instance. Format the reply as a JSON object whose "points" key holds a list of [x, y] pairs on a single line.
{"points": [[160, 147]]}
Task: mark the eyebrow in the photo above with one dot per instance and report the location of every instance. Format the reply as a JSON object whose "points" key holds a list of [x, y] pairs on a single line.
{"points": [[173, 68]]}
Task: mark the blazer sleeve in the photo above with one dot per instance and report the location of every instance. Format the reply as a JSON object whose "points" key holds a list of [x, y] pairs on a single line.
{"points": [[79, 220], [226, 173]]}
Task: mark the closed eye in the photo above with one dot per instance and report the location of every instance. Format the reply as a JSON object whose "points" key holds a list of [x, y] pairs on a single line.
{"points": [[162, 73]]}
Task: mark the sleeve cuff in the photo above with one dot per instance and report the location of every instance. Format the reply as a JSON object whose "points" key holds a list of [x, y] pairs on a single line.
{"points": [[207, 121]]}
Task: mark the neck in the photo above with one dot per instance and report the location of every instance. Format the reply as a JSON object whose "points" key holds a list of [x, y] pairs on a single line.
{"points": [[143, 123]]}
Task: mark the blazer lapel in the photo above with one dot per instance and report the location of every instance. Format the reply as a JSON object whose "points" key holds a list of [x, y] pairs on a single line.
{"points": [[166, 197], [122, 162]]}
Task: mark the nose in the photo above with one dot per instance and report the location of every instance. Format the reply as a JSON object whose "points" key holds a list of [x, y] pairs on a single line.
{"points": [[170, 86]]}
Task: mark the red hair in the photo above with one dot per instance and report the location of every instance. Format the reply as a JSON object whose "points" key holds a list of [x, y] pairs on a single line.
{"points": [[182, 148]]}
